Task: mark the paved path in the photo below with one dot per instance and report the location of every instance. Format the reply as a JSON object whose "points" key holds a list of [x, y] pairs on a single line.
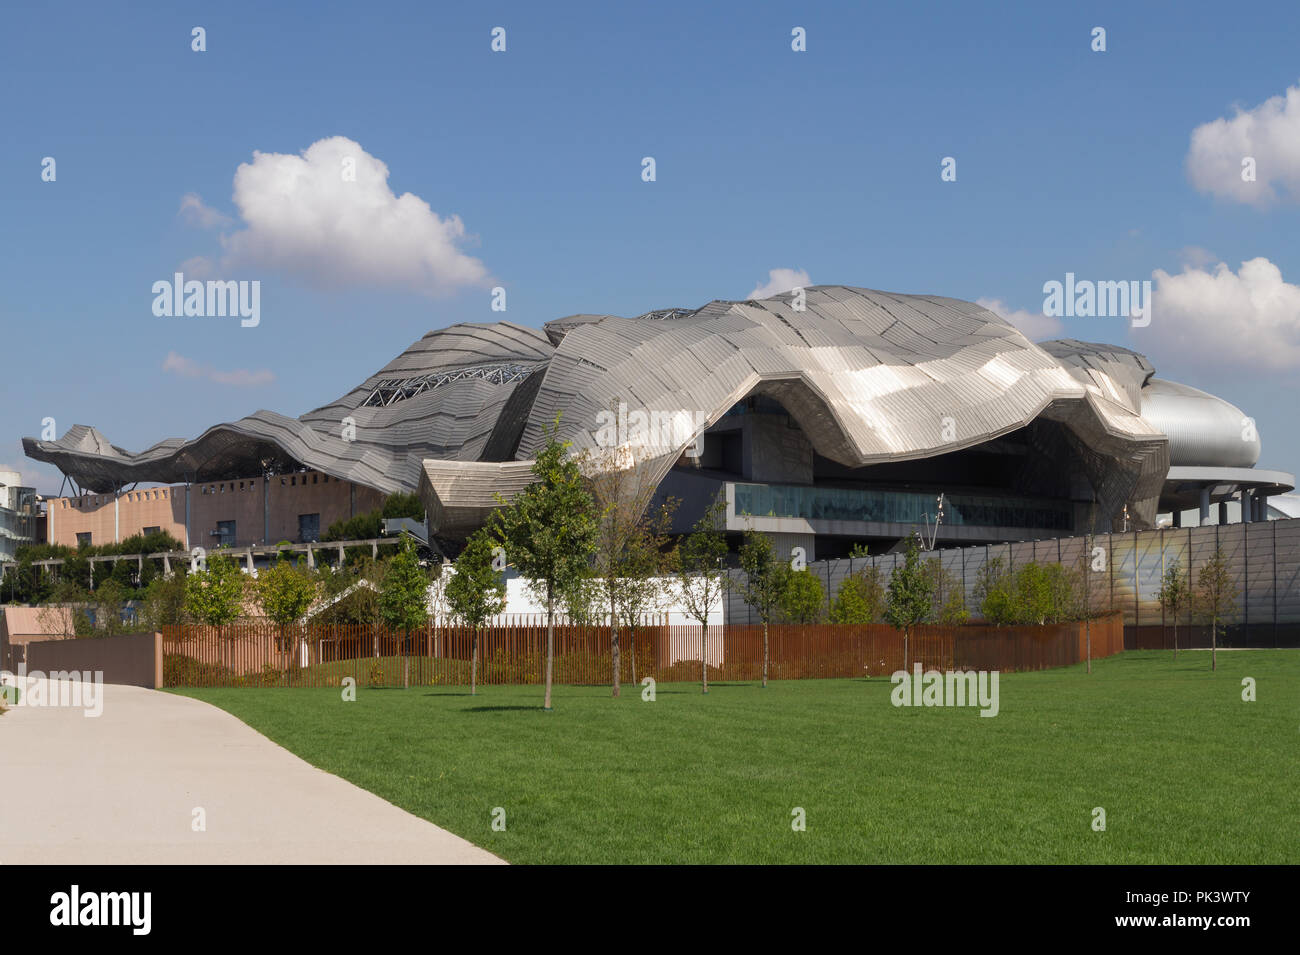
{"points": [[121, 789]]}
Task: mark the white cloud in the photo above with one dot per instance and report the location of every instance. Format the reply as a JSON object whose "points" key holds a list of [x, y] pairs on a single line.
{"points": [[304, 215], [1249, 318], [780, 280], [1035, 326], [240, 377], [197, 213], [1270, 133]]}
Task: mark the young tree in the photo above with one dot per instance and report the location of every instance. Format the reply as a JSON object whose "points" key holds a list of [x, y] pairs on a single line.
{"points": [[701, 576], [285, 593], [475, 592], [1216, 598], [622, 492], [164, 601], [804, 599], [583, 600], [215, 596], [647, 560], [1033, 595], [404, 598], [911, 596], [995, 592], [549, 532], [765, 582], [861, 598], [1174, 595], [109, 602], [949, 607]]}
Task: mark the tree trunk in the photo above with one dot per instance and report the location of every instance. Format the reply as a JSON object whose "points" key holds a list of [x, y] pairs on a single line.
{"points": [[764, 651], [284, 651], [406, 658], [1214, 645], [613, 635], [906, 634], [704, 655], [631, 648], [550, 636], [473, 665], [1087, 640], [1175, 638]]}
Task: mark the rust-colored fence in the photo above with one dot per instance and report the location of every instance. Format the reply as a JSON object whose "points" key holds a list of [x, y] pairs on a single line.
{"points": [[263, 655]]}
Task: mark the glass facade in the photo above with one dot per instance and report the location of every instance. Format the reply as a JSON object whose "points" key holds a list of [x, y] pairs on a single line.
{"points": [[18, 521], [899, 507]]}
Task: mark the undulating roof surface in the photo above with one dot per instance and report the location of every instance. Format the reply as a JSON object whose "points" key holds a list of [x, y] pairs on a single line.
{"points": [[870, 376]]}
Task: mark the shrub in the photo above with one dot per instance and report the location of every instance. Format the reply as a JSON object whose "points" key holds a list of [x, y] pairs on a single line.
{"points": [[861, 598], [803, 600], [181, 670]]}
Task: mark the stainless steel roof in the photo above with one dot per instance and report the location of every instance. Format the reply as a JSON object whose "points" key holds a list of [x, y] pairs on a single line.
{"points": [[869, 376]]}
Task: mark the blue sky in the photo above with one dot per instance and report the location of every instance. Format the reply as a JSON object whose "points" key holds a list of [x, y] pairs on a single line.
{"points": [[825, 161]]}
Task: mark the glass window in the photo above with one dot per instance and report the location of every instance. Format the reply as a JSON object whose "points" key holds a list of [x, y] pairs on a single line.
{"points": [[897, 507]]}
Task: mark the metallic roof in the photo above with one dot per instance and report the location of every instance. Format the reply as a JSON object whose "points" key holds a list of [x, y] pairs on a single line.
{"points": [[869, 376]]}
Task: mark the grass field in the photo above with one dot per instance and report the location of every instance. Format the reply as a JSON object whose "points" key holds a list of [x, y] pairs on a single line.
{"points": [[1186, 771]]}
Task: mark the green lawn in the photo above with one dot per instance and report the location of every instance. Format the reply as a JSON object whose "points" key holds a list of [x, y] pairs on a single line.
{"points": [[1186, 771]]}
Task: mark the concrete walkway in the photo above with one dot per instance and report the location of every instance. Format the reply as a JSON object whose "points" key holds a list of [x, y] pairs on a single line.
{"points": [[121, 788]]}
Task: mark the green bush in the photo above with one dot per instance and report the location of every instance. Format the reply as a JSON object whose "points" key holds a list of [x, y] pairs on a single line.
{"points": [[804, 599], [861, 598], [181, 670]]}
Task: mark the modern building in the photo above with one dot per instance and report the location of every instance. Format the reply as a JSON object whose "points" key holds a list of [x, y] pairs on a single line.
{"points": [[20, 515], [297, 507], [825, 417]]}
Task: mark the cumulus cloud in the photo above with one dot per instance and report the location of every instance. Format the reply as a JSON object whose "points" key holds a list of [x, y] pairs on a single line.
{"points": [[1035, 326], [1269, 133], [328, 217], [240, 377], [1248, 318], [780, 280], [196, 212]]}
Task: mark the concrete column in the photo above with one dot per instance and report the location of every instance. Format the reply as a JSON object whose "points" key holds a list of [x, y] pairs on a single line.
{"points": [[1246, 504], [1205, 506], [311, 558], [1223, 512], [1178, 518], [1261, 506], [167, 565], [248, 559]]}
